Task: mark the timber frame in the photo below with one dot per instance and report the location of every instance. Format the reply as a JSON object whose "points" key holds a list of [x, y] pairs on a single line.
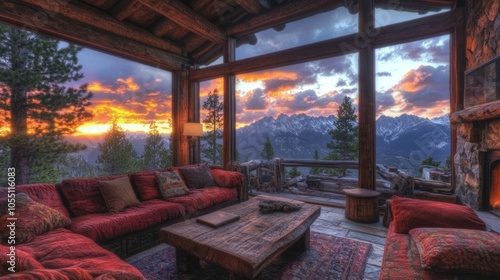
{"points": [[181, 35]]}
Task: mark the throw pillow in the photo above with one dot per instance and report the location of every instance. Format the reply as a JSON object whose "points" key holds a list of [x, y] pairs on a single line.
{"points": [[414, 213], [171, 184], [33, 219], [458, 250], [227, 179], [197, 176], [118, 194]]}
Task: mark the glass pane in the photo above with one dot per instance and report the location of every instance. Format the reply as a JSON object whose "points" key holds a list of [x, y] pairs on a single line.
{"points": [[212, 118], [413, 105], [327, 25], [393, 13], [123, 127], [288, 112]]}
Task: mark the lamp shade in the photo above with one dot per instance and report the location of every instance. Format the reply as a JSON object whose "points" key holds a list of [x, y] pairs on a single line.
{"points": [[193, 129]]}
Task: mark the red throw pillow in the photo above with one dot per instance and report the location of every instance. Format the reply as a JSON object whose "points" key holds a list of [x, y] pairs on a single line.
{"points": [[227, 179], [458, 250], [411, 213]]}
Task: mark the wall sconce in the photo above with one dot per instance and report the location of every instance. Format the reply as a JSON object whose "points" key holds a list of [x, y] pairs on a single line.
{"points": [[192, 130]]}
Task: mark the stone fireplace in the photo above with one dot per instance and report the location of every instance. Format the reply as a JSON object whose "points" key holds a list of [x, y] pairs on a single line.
{"points": [[491, 194], [477, 163]]}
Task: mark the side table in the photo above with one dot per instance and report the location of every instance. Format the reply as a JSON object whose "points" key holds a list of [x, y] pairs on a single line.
{"points": [[361, 205]]}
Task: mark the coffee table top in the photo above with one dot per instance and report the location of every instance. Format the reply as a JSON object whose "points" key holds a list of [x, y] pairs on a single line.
{"points": [[247, 245]]}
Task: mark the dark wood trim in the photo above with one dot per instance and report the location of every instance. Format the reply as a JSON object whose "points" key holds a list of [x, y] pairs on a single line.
{"points": [[28, 17], [98, 19], [394, 34], [457, 81], [187, 18], [124, 9], [292, 11], [229, 153], [251, 6], [296, 55], [366, 98]]}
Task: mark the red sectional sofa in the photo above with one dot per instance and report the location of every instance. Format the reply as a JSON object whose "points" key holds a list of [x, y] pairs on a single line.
{"points": [[92, 241], [430, 240]]}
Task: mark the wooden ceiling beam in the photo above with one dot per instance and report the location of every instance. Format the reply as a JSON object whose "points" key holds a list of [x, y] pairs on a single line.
{"points": [[30, 18], [251, 6], [200, 4], [164, 27], [96, 18], [187, 18], [282, 14], [124, 9]]}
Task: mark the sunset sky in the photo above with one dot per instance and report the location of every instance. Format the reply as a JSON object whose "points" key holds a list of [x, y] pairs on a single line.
{"points": [[411, 78]]}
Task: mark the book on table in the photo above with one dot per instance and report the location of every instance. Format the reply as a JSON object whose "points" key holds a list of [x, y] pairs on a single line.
{"points": [[217, 218]]}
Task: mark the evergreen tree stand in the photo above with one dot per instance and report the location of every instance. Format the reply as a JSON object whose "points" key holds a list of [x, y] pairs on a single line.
{"points": [[361, 205]]}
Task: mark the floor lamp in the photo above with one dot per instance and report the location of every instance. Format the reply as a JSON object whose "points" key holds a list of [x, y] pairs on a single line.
{"points": [[193, 131]]}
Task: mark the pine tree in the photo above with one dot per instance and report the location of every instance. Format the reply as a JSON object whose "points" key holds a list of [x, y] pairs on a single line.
{"points": [[294, 172], [267, 152], [315, 170], [37, 106], [214, 122], [117, 155], [155, 154], [344, 144]]}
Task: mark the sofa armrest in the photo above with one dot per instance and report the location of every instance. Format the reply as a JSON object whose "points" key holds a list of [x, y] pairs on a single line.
{"points": [[231, 179]]}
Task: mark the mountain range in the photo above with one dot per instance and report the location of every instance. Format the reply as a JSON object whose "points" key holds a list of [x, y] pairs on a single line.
{"points": [[402, 141]]}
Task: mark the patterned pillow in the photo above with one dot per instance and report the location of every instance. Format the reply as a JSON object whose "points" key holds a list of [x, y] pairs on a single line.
{"points": [[33, 219], [197, 176], [118, 194], [412, 213], [458, 250], [171, 184]]}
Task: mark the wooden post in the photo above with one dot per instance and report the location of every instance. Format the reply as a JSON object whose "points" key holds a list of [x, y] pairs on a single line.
{"points": [[229, 146], [366, 108]]}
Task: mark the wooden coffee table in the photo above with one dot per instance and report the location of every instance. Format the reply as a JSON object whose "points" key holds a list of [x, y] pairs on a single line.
{"points": [[245, 246]]}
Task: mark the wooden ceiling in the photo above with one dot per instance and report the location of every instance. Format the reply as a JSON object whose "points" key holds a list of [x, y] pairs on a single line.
{"points": [[169, 33]]}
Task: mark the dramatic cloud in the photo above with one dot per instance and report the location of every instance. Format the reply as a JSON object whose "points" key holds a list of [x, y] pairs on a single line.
{"points": [[256, 100], [435, 50], [421, 92]]}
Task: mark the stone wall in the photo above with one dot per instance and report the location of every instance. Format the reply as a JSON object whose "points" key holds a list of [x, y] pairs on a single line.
{"points": [[483, 31], [483, 44]]}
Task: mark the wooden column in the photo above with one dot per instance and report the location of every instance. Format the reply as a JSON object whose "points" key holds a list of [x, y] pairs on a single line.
{"points": [[366, 108], [457, 79], [179, 117], [229, 150]]}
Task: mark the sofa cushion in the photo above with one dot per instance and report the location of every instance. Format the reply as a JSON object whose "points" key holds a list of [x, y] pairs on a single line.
{"points": [[197, 176], [170, 184], [32, 219], [458, 250], [227, 179], [411, 213], [102, 227], [43, 193], [62, 249], [118, 194], [83, 195], [203, 198], [144, 183]]}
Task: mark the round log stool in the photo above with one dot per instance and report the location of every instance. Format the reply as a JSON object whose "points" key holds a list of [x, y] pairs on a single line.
{"points": [[361, 205]]}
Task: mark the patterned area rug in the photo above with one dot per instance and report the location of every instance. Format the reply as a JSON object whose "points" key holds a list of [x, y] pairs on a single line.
{"points": [[329, 257]]}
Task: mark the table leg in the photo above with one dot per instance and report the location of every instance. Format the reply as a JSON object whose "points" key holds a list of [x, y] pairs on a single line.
{"points": [[185, 261], [303, 242]]}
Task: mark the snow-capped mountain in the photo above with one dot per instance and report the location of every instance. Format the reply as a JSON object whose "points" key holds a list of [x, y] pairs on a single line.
{"points": [[402, 141]]}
